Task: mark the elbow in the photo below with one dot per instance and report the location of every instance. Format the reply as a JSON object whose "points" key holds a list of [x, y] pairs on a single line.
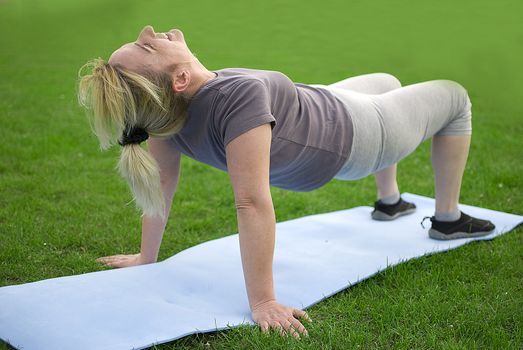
{"points": [[244, 203], [252, 202]]}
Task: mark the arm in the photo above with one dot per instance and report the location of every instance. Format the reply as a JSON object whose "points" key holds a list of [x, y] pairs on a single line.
{"points": [[248, 167], [248, 159], [168, 160]]}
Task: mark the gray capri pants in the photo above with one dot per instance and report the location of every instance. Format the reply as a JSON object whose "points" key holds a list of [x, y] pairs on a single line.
{"points": [[391, 121]]}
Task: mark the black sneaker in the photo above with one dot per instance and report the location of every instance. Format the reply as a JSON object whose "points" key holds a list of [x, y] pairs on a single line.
{"points": [[385, 212], [466, 226]]}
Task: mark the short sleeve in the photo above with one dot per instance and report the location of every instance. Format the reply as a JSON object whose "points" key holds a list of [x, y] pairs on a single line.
{"points": [[245, 107]]}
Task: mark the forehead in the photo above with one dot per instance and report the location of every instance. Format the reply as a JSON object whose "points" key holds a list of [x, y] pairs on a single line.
{"points": [[130, 56]]}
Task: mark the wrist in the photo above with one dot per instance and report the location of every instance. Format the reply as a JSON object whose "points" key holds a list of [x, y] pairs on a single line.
{"points": [[262, 303], [143, 259]]}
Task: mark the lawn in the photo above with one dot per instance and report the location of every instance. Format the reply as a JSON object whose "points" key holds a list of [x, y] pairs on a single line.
{"points": [[62, 204]]}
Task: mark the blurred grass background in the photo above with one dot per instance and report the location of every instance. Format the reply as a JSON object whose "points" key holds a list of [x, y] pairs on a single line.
{"points": [[62, 204]]}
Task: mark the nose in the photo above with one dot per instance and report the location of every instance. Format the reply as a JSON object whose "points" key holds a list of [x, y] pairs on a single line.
{"points": [[177, 33], [147, 31]]}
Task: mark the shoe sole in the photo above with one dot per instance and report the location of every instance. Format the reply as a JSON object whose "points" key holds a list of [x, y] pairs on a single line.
{"points": [[381, 216], [456, 235]]}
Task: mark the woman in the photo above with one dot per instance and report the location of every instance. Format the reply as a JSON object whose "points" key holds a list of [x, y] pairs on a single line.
{"points": [[264, 129]]}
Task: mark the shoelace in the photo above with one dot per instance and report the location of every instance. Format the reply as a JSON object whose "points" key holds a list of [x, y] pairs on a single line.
{"points": [[425, 218]]}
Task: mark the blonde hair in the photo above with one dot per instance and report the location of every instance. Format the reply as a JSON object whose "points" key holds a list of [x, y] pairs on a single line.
{"points": [[120, 100]]}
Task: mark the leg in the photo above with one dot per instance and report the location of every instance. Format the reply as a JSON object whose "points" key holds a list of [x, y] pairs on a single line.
{"points": [[377, 83], [372, 84], [449, 156], [390, 126], [389, 205], [447, 118], [386, 183]]}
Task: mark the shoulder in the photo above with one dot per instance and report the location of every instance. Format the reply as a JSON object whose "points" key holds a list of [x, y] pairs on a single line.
{"points": [[232, 79], [244, 92], [243, 106], [240, 85]]}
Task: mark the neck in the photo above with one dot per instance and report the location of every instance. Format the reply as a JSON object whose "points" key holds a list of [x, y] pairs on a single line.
{"points": [[199, 76]]}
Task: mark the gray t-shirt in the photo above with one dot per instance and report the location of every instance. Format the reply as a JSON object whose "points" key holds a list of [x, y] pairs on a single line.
{"points": [[311, 128]]}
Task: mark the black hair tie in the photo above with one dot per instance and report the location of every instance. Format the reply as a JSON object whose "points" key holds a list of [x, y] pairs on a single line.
{"points": [[134, 135]]}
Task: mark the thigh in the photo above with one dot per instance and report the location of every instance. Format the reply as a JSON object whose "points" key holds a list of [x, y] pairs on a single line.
{"points": [[388, 127], [374, 83], [414, 113]]}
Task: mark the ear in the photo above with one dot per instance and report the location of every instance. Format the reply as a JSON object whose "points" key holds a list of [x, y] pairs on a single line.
{"points": [[181, 80]]}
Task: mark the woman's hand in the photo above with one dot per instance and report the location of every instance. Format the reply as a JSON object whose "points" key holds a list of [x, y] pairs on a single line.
{"points": [[121, 260], [280, 317]]}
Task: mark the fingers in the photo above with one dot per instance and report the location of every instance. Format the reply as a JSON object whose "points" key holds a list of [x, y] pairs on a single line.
{"points": [[301, 313], [298, 327], [109, 258], [121, 260], [277, 326], [290, 326], [264, 325], [282, 318], [113, 260]]}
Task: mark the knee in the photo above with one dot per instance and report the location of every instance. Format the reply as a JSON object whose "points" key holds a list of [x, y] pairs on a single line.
{"points": [[460, 109], [459, 97], [389, 81]]}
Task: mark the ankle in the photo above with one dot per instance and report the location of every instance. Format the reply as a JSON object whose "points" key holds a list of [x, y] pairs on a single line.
{"points": [[390, 199], [452, 215]]}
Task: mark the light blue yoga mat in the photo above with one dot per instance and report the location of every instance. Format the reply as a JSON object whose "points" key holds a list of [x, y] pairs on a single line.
{"points": [[201, 289]]}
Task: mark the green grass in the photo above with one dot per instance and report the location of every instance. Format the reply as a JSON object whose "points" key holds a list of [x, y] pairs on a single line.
{"points": [[62, 204]]}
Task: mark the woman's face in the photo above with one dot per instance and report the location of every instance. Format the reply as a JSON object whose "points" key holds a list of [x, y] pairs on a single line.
{"points": [[159, 52]]}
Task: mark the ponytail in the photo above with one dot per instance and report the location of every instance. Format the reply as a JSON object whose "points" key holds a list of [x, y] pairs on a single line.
{"points": [[128, 107], [142, 173]]}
